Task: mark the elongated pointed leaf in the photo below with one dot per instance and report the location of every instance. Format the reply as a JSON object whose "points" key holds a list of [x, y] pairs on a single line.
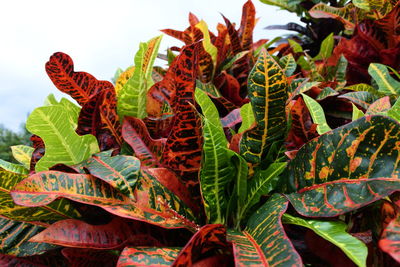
{"points": [[147, 256], [334, 232], [132, 96], [394, 112], [121, 172], [247, 25], [12, 167], [99, 118], [22, 154], [288, 64], [264, 241], [246, 112], [147, 149], [233, 118], [79, 85], [326, 92], [43, 188], [61, 209], [387, 84], [207, 44], [63, 144], [267, 88], [356, 113], [390, 239], [78, 234], [363, 99], [317, 114], [346, 168], [209, 237], [379, 107], [15, 237], [326, 48]]}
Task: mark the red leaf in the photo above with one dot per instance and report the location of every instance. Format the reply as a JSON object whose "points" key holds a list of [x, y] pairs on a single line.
{"points": [[233, 36], [232, 119], [380, 105], [390, 239], [147, 256], [247, 25], [159, 127], [38, 153], [79, 85], [229, 88], [147, 149], [6, 260], [89, 257], [209, 237], [99, 118], [193, 20]]}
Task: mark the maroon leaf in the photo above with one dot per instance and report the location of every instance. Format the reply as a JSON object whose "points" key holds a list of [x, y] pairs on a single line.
{"points": [[79, 85], [209, 237], [89, 257], [99, 118], [229, 88]]}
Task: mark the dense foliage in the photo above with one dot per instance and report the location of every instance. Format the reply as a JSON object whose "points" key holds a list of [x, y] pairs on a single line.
{"points": [[265, 153]]}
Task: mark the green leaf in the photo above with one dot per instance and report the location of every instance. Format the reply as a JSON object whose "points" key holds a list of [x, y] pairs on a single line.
{"points": [[292, 6], [61, 209], [317, 114], [356, 113], [334, 232], [15, 237], [132, 96], [147, 256], [363, 99], [341, 69], [288, 64], [387, 84], [259, 185], [295, 46], [246, 112], [207, 44], [12, 167], [63, 144], [267, 89], [217, 170], [345, 169], [326, 92], [326, 48], [22, 154], [394, 112], [264, 241], [362, 87], [235, 58], [72, 109]]}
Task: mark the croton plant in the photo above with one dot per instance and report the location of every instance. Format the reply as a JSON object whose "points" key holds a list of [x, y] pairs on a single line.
{"points": [[238, 153]]}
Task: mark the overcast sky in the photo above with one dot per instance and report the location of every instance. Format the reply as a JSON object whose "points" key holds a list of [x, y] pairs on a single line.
{"points": [[99, 35]]}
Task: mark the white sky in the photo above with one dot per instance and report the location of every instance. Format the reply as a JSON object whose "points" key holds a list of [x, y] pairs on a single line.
{"points": [[99, 35]]}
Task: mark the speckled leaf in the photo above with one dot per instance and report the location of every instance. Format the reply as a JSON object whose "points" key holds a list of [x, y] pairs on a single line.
{"points": [[232, 119], [326, 92], [132, 96], [22, 154], [267, 88], [208, 45], [153, 204], [58, 210], [79, 85], [317, 114], [387, 84], [288, 64], [15, 237], [147, 256], [12, 167], [63, 144], [390, 239], [361, 98], [334, 232], [347, 168], [120, 171], [207, 238], [394, 112], [247, 25], [379, 107], [147, 149], [362, 87], [264, 241]]}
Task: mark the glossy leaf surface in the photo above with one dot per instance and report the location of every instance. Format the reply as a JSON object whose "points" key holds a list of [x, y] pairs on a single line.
{"points": [[264, 241], [317, 114], [267, 88], [22, 154], [387, 84], [147, 256], [12, 167]]}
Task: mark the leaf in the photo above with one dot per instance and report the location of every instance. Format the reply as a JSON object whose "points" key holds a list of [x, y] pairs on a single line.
{"points": [[246, 112], [288, 64], [264, 241], [234, 59], [15, 237], [341, 171], [326, 92], [207, 44], [217, 170], [247, 25], [387, 84], [341, 71], [379, 107], [356, 113], [61, 209], [121, 172], [72, 109], [81, 86], [363, 99], [22, 154], [390, 239], [261, 184], [78, 234], [123, 78], [12, 167], [334, 232], [89, 257], [207, 238], [43, 188], [63, 145], [147, 149], [292, 6], [295, 46], [317, 114], [132, 96], [267, 88], [394, 112], [99, 118], [147, 256], [233, 118], [326, 48]]}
